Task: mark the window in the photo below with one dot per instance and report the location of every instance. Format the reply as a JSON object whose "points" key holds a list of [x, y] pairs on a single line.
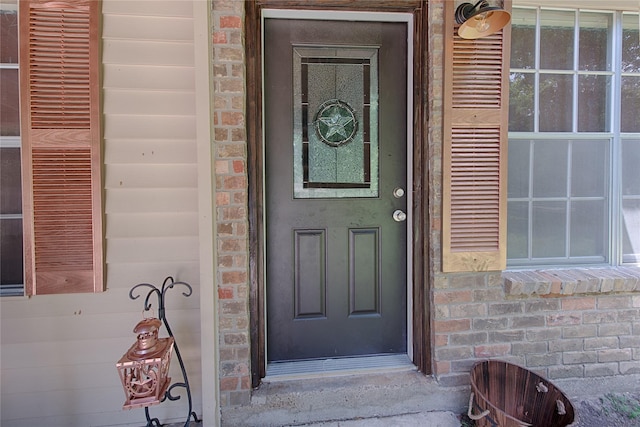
{"points": [[51, 150], [11, 275], [574, 138]]}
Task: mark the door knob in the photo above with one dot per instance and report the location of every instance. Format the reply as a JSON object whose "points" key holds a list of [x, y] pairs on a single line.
{"points": [[399, 216]]}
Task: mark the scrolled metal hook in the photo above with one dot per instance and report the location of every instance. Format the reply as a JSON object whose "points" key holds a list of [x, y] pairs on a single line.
{"points": [[172, 284], [170, 396], [147, 304]]}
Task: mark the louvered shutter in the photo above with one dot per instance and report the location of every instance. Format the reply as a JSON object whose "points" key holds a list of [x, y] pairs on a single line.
{"points": [[59, 89], [475, 149]]}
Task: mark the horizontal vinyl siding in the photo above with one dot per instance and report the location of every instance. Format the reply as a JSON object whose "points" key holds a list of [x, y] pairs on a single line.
{"points": [[173, 224], [141, 272], [151, 200], [170, 249], [158, 127], [59, 352], [154, 28], [164, 103], [139, 77], [148, 52], [153, 176], [149, 104], [150, 151]]}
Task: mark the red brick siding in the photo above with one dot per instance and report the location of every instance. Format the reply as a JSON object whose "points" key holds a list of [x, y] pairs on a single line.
{"points": [[231, 201]]}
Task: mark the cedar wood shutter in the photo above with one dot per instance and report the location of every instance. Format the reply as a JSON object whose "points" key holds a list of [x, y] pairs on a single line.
{"points": [[61, 149], [475, 148]]}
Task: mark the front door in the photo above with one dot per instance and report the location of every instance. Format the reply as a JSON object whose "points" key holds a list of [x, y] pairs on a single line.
{"points": [[335, 108]]}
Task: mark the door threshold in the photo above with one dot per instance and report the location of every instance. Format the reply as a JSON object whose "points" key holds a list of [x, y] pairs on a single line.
{"points": [[279, 371]]}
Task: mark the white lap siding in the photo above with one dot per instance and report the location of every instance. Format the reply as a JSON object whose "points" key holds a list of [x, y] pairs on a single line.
{"points": [[59, 352]]}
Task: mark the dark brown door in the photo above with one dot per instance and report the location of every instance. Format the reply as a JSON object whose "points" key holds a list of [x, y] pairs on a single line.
{"points": [[335, 187]]}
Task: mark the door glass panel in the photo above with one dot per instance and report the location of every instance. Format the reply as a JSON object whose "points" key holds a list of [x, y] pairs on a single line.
{"points": [[335, 131]]}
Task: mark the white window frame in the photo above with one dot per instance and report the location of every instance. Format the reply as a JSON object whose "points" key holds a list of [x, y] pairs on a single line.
{"points": [[14, 289], [614, 253]]}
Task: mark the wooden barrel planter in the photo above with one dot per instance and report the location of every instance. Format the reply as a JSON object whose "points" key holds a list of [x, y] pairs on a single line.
{"points": [[507, 395]]}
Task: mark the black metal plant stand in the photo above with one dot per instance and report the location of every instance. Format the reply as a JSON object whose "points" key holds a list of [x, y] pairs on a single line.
{"points": [[160, 293]]}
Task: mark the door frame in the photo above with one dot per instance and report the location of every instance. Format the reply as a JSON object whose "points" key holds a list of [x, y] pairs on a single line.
{"points": [[418, 317]]}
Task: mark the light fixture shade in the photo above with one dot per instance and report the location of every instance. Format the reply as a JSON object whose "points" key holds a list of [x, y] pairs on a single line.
{"points": [[480, 20]]}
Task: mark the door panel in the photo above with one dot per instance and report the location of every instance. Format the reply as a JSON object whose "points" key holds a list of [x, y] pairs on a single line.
{"points": [[335, 150], [310, 267], [364, 267]]}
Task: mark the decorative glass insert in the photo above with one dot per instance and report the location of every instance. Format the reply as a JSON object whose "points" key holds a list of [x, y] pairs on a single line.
{"points": [[335, 127], [336, 123]]}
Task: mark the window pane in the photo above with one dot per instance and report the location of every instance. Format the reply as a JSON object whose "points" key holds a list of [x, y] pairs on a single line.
{"points": [[549, 229], [523, 38], [9, 103], [588, 229], [8, 37], [518, 230], [630, 164], [10, 187], [631, 230], [556, 40], [595, 51], [518, 182], [593, 105], [521, 107], [589, 168], [630, 104], [11, 251], [556, 102], [630, 46], [550, 168]]}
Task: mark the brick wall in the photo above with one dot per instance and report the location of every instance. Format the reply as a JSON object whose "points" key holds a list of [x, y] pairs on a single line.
{"points": [[559, 323], [231, 202], [435, 76]]}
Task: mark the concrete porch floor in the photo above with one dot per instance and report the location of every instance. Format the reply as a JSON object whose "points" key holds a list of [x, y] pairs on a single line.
{"points": [[331, 400], [402, 398]]}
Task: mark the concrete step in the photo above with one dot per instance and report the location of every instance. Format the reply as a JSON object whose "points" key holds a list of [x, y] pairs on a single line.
{"points": [[399, 397]]}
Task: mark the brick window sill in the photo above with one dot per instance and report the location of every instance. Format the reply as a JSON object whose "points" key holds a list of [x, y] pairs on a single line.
{"points": [[571, 281]]}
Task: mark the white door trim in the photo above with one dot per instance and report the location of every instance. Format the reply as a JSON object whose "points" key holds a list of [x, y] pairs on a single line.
{"points": [[334, 15]]}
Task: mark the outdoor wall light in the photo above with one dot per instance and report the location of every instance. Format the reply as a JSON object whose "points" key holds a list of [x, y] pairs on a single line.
{"points": [[480, 20], [144, 367]]}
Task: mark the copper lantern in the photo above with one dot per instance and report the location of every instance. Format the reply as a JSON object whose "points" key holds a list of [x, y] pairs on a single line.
{"points": [[144, 368]]}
